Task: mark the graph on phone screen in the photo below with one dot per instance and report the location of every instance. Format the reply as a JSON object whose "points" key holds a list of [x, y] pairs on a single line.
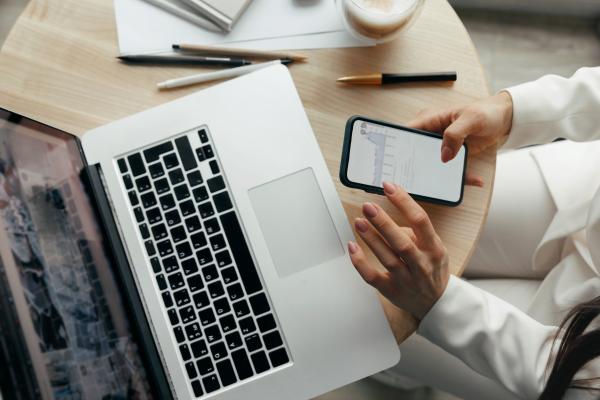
{"points": [[380, 153]]}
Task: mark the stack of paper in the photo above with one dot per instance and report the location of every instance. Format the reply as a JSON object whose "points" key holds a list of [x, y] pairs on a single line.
{"points": [[266, 25]]}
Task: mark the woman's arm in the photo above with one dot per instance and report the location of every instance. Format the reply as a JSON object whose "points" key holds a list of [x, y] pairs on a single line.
{"points": [[555, 107], [491, 336]]}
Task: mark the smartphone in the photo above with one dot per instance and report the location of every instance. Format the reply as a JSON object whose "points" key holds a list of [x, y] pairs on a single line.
{"points": [[376, 151]]}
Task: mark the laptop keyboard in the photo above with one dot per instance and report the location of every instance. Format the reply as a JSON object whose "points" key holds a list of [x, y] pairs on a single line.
{"points": [[220, 314]]}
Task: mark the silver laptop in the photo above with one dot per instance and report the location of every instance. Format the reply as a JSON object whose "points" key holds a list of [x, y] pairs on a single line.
{"points": [[221, 209]]}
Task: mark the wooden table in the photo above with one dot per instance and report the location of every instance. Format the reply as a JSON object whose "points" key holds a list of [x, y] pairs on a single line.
{"points": [[58, 66]]}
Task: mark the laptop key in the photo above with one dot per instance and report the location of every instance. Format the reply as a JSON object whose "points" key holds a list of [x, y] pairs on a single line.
{"points": [[253, 342], [226, 373], [170, 161], [195, 283], [176, 176], [215, 184], [155, 264], [164, 248], [187, 314], [198, 240], [173, 316], [241, 253], [182, 193], [247, 325], [170, 264], [206, 210], [148, 200], [184, 250], [205, 366], [233, 340], [222, 201], [222, 306], [179, 335], [217, 242], [153, 215], [139, 214], [167, 201], [214, 167], [156, 170], [181, 297], [133, 199], [193, 224], [235, 292], [218, 351], [212, 333], [189, 266], [199, 349], [200, 155], [215, 289], [242, 364], [272, 340], [212, 226], [159, 231], [229, 275], [200, 194], [161, 282], [204, 256], [150, 248], [153, 153], [127, 182], [172, 217], [185, 152], [143, 184], [211, 383], [223, 258], [178, 234], [167, 299], [227, 323], [266, 323], [175, 280], [241, 308], [137, 164], [185, 352], [260, 362], [207, 316], [197, 388], [193, 331], [201, 300], [259, 304], [122, 165], [210, 273], [187, 207], [208, 151], [161, 186], [195, 178], [278, 357], [191, 370], [203, 136], [144, 231]]}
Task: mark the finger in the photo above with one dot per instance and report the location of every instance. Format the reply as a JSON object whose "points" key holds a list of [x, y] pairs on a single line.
{"points": [[378, 279], [413, 214], [378, 246], [398, 240], [473, 180], [432, 120], [454, 137]]}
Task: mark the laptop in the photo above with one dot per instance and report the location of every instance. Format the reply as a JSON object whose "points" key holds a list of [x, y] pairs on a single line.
{"points": [[226, 242]]}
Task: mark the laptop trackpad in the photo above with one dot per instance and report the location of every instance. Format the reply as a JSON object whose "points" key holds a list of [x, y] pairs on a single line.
{"points": [[295, 222]]}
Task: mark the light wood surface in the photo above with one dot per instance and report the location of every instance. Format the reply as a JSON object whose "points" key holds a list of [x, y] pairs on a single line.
{"points": [[58, 66]]}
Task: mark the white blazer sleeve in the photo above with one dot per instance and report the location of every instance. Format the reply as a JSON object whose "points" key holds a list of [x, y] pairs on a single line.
{"points": [[491, 336], [555, 107]]}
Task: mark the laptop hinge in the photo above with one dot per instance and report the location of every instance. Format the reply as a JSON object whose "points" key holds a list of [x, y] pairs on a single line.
{"points": [[92, 181]]}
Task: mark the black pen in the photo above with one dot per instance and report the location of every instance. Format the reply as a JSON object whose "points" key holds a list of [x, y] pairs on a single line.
{"points": [[184, 60], [384, 79]]}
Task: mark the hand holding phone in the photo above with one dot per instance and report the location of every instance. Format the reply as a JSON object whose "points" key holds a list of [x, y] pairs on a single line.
{"points": [[376, 151]]}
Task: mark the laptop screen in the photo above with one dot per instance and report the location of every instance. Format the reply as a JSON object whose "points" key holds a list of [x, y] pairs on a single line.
{"points": [[63, 329]]}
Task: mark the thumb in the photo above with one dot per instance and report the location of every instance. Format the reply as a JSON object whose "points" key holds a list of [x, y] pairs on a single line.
{"points": [[454, 137]]}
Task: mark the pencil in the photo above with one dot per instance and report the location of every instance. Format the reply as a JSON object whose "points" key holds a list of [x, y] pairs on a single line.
{"points": [[227, 51]]}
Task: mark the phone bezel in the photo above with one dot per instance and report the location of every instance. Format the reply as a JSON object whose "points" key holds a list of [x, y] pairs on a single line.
{"points": [[376, 190]]}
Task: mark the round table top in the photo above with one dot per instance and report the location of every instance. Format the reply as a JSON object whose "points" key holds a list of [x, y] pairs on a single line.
{"points": [[58, 66]]}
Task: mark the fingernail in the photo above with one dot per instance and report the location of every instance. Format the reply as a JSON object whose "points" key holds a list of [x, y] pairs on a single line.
{"points": [[369, 210], [389, 188], [446, 154], [361, 225], [352, 247]]}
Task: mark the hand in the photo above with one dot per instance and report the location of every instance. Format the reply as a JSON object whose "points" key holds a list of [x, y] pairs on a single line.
{"points": [[415, 260], [482, 124]]}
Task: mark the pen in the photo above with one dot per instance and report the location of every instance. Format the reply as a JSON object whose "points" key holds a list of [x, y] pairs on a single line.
{"points": [[384, 79], [227, 51], [184, 60], [213, 76]]}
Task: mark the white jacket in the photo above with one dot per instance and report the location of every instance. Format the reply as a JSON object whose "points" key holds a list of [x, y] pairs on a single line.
{"points": [[491, 336]]}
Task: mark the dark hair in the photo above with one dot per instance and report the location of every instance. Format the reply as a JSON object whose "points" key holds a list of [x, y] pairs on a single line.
{"points": [[577, 348]]}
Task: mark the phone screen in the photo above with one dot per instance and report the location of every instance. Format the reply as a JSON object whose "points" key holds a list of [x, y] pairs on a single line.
{"points": [[379, 152]]}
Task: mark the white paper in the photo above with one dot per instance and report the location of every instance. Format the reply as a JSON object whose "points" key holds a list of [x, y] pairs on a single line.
{"points": [[266, 24]]}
